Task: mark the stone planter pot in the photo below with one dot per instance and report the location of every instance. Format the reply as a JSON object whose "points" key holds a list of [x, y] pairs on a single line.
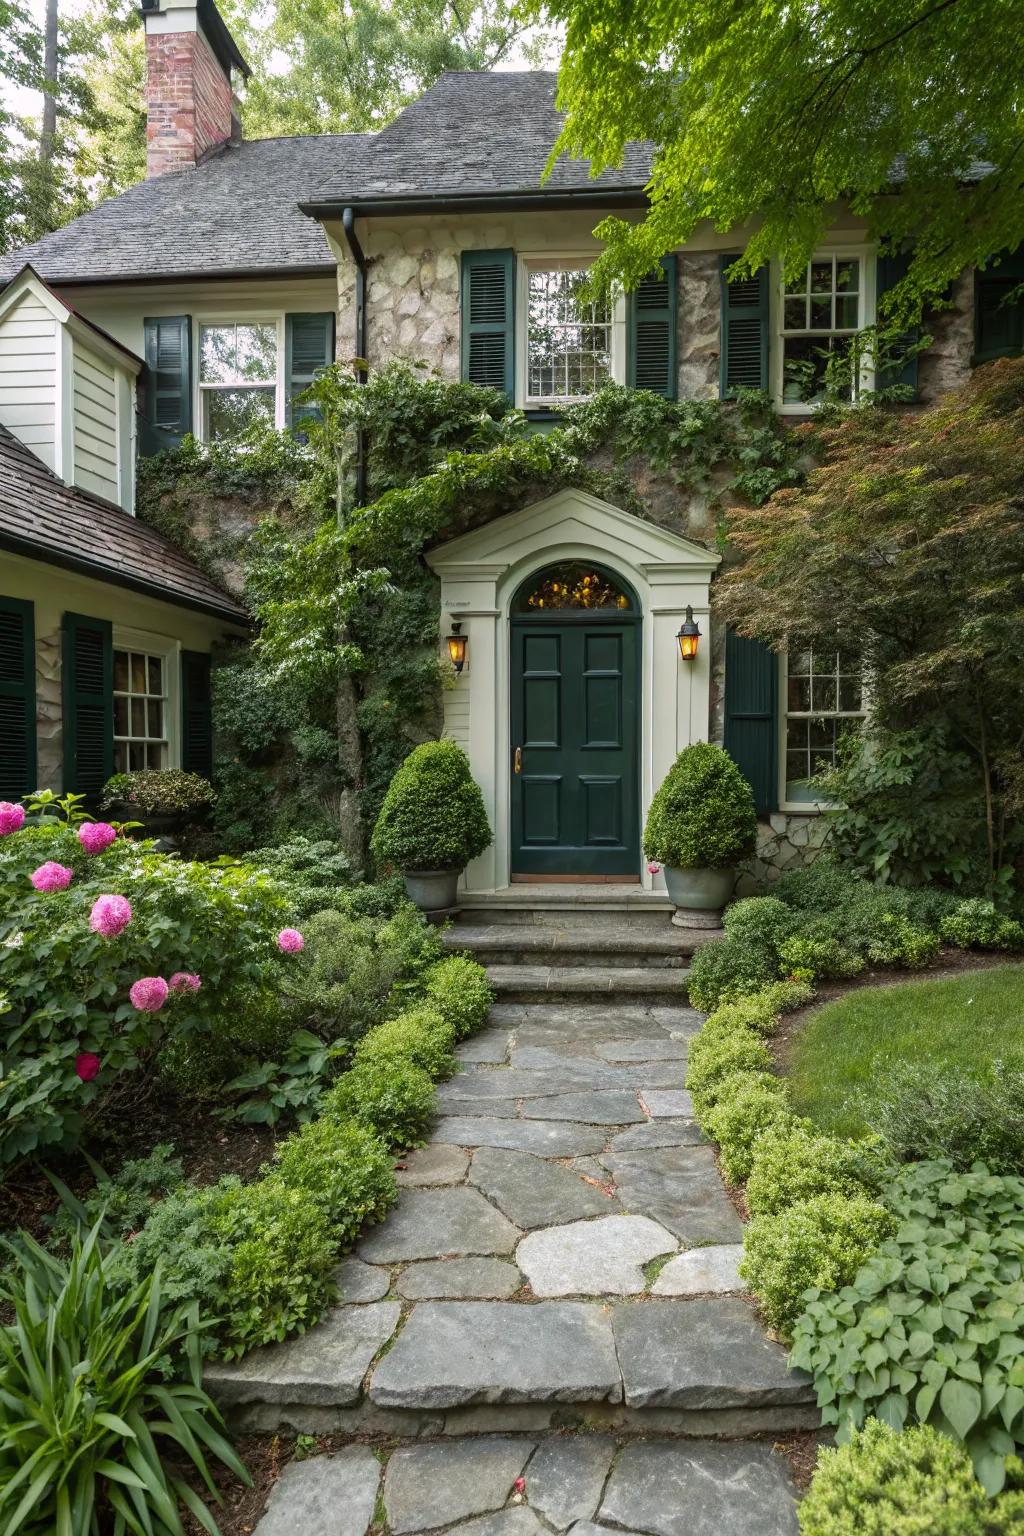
{"points": [[154, 823], [432, 890], [698, 895]]}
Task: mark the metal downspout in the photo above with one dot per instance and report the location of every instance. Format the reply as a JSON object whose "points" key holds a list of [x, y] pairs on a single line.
{"points": [[348, 224]]}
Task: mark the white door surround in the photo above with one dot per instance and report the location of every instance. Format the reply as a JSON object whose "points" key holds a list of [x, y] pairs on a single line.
{"points": [[481, 572]]}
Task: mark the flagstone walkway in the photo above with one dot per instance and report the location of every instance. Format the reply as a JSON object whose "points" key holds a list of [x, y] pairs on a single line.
{"points": [[563, 1255]]}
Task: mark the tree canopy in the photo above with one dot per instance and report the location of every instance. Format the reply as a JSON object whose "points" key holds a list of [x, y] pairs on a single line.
{"points": [[765, 116]]}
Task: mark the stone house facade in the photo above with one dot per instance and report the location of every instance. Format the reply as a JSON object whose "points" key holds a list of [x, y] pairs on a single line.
{"points": [[238, 269]]}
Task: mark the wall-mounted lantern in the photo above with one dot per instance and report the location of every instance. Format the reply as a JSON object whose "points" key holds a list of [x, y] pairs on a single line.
{"points": [[457, 647], [688, 636]]}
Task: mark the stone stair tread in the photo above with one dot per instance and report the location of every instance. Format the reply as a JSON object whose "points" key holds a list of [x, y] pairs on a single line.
{"points": [[587, 979], [577, 945]]}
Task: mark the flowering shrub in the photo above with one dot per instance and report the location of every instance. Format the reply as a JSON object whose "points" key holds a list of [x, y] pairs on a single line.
{"points": [[85, 956], [94, 836]]}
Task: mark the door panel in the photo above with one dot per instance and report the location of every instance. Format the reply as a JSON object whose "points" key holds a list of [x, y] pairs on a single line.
{"points": [[575, 806]]}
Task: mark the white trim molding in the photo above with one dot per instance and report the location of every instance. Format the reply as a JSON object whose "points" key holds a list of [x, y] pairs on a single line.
{"points": [[480, 573]]}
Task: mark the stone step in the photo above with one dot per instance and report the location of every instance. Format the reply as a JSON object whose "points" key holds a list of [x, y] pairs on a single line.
{"points": [[652, 985], [559, 905], [577, 945]]}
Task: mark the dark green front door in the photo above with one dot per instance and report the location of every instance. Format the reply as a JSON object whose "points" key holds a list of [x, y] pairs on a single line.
{"points": [[575, 804]]}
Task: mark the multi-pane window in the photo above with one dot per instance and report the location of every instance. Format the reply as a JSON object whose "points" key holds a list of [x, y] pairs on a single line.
{"points": [[569, 337], [824, 698], [140, 711], [821, 310], [237, 377]]}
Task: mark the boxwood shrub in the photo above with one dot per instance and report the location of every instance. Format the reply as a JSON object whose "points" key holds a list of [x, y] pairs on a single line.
{"points": [[388, 1094], [432, 816], [748, 1104], [821, 1242], [458, 988], [715, 1055], [747, 958], [702, 815], [344, 1169], [918, 1483], [419, 1035], [792, 1162]]}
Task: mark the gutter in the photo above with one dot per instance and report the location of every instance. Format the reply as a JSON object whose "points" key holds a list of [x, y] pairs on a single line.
{"points": [[482, 202], [348, 225], [112, 577]]}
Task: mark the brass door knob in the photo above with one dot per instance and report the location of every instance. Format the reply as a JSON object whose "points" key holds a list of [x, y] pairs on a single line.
{"points": [[517, 764]]}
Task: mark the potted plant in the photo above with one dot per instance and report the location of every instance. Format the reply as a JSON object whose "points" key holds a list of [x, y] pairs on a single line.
{"points": [[432, 822], [163, 799], [701, 824]]}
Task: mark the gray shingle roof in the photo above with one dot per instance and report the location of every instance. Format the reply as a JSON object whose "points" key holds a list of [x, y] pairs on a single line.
{"points": [[45, 519], [237, 213], [476, 133]]}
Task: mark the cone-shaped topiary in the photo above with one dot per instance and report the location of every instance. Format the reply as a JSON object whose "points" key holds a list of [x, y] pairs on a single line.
{"points": [[702, 816], [433, 815]]}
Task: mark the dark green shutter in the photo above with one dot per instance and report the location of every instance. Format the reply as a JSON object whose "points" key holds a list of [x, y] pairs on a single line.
{"points": [[744, 350], [998, 326], [17, 698], [167, 383], [652, 331], [309, 349], [488, 319], [751, 716], [88, 704], [196, 714], [889, 270]]}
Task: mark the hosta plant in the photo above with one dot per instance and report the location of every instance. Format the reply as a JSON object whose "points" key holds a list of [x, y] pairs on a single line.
{"points": [[98, 1388], [929, 1330]]}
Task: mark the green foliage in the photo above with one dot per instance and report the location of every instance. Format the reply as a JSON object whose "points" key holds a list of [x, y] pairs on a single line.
{"points": [[420, 1036], [291, 1087], [922, 1111], [123, 1199], [91, 1408], [928, 1329], [702, 815], [458, 988], [67, 987], [312, 873], [159, 791], [712, 90], [937, 788], [433, 814], [821, 956], [342, 1169], [714, 1055], [818, 1243], [258, 1258], [977, 925], [918, 1483], [747, 1105], [791, 1163], [747, 958], [390, 1095]]}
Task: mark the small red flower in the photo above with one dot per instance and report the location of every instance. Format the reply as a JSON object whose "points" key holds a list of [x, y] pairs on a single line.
{"points": [[87, 1065], [519, 1486]]}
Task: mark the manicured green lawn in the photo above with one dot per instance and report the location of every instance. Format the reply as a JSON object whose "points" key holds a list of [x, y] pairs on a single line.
{"points": [[965, 1022]]}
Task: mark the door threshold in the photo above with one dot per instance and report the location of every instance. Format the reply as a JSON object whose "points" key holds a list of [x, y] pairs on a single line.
{"points": [[574, 879]]}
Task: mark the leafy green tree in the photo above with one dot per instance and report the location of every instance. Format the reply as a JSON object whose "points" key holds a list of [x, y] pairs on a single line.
{"points": [[764, 117], [907, 543]]}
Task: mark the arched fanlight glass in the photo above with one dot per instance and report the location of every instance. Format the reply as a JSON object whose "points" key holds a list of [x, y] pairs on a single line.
{"points": [[572, 584]]}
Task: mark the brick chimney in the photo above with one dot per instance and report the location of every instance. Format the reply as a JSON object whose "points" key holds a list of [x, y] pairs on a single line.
{"points": [[190, 110]]}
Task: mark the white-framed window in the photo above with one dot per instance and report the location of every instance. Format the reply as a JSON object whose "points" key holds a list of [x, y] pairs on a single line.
{"points": [[241, 375], [146, 700], [816, 315], [821, 698], [568, 345]]}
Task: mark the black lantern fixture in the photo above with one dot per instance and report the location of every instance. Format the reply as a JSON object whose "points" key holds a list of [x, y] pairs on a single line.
{"points": [[688, 636], [457, 647]]}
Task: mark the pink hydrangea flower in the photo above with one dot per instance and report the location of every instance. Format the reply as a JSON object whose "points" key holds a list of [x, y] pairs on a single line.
{"points": [[94, 836], [653, 869], [149, 994], [185, 981], [12, 818], [87, 1065], [290, 940], [51, 876], [110, 915]]}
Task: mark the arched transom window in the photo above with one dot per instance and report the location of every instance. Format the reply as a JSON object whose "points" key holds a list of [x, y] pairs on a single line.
{"points": [[572, 584]]}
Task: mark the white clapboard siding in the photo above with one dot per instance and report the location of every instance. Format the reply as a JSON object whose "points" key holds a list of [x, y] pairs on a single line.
{"points": [[95, 408], [28, 375], [456, 715]]}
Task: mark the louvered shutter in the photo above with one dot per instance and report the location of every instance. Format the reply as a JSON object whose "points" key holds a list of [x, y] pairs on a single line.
{"points": [[998, 326], [744, 351], [652, 331], [88, 704], [488, 319], [889, 270], [309, 349], [751, 716], [17, 698], [196, 714], [167, 383]]}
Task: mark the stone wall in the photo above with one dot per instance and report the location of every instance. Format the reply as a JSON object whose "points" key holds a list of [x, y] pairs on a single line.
{"points": [[783, 842], [947, 362]]}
